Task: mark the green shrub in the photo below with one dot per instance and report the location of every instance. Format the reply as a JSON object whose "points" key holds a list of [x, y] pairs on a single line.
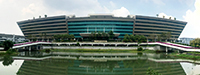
{"points": [[139, 54], [47, 50], [151, 71], [77, 44], [10, 51], [139, 49]]}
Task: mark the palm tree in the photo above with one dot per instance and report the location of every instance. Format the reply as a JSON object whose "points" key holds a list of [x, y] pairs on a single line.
{"points": [[111, 34], [168, 35], [153, 37], [30, 37], [41, 36], [163, 36], [45, 36]]}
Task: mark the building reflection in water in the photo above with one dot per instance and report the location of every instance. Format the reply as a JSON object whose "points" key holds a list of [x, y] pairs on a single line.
{"points": [[77, 66]]}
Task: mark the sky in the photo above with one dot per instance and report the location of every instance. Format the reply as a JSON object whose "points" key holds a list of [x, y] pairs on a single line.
{"points": [[12, 11]]}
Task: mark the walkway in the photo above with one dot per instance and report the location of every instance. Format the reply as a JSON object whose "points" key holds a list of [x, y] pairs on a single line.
{"points": [[115, 44]]}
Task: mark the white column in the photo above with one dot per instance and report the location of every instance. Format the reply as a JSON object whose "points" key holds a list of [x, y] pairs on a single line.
{"points": [[29, 48], [166, 50], [87, 29]]}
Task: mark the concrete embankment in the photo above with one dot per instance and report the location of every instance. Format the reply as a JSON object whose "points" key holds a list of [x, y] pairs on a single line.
{"points": [[78, 47], [1, 48]]}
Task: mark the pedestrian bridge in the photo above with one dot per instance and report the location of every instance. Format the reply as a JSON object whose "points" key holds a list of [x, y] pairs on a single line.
{"points": [[159, 45]]}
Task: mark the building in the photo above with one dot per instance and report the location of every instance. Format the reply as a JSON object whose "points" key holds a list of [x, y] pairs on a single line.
{"points": [[186, 40], [81, 27], [12, 37]]}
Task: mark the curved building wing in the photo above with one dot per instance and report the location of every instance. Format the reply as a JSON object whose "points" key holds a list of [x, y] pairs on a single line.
{"points": [[132, 24]]}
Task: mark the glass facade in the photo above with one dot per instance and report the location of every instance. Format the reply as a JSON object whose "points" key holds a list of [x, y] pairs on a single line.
{"points": [[136, 24], [122, 27], [50, 26], [152, 25]]}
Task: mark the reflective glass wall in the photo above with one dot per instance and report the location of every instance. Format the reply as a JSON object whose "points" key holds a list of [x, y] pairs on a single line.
{"points": [[122, 27]]}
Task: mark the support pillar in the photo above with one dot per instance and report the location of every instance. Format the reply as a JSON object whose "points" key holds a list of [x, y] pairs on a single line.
{"points": [[29, 48], [36, 47], [166, 50], [104, 45], [115, 45]]}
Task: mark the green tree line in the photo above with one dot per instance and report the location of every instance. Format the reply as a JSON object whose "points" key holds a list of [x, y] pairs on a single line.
{"points": [[163, 36], [56, 38], [195, 42], [136, 38], [64, 37], [102, 35]]}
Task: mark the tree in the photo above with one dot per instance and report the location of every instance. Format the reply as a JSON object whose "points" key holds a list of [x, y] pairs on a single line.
{"points": [[152, 37], [151, 71], [30, 37], [34, 38], [132, 37], [104, 35], [163, 36], [126, 38], [159, 37], [140, 39], [168, 35], [7, 44], [195, 42], [63, 37], [7, 60], [41, 36], [111, 34], [99, 35], [45, 36]]}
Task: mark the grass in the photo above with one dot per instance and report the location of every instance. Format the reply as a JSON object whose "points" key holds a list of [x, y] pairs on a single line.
{"points": [[97, 50], [2, 53], [187, 56]]}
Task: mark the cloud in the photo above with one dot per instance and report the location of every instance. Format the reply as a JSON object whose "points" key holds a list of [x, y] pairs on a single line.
{"points": [[158, 2], [122, 12], [193, 19], [76, 7], [32, 9], [18, 10], [1, 1], [112, 4]]}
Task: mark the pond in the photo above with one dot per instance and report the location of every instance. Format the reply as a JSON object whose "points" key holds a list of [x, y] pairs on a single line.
{"points": [[62, 63]]}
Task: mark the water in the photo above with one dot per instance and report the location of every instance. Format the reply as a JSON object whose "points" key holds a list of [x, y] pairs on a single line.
{"points": [[59, 63]]}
